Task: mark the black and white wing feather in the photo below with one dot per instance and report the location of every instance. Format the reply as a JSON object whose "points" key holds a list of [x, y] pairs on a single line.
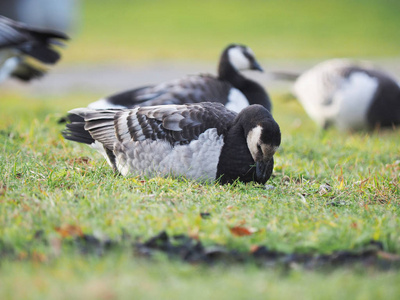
{"points": [[230, 87], [177, 124]]}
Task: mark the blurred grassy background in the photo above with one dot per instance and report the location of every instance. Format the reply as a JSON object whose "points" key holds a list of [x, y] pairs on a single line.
{"points": [[124, 30]]}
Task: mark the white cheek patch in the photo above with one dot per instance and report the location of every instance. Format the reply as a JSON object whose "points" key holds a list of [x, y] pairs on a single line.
{"points": [[238, 60], [253, 137]]}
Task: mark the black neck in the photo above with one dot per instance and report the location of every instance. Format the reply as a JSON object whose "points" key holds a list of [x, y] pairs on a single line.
{"points": [[254, 92], [227, 72], [235, 158]]}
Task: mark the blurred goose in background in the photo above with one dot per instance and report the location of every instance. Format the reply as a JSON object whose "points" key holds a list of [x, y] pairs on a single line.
{"points": [[230, 87], [349, 95], [202, 141], [21, 45]]}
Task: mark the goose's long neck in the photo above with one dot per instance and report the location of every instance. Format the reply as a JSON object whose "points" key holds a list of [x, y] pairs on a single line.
{"points": [[227, 72]]}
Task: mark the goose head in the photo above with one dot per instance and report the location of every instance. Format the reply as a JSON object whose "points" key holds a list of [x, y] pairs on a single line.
{"points": [[241, 57], [263, 138]]}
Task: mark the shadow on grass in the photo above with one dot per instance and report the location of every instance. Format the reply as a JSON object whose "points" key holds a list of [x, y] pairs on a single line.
{"points": [[184, 248]]}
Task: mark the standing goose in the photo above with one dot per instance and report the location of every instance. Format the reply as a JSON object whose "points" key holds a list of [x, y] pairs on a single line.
{"points": [[349, 96], [202, 141], [230, 88], [18, 41]]}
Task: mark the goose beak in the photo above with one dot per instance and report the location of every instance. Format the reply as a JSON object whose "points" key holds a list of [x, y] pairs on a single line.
{"points": [[264, 170], [256, 66]]}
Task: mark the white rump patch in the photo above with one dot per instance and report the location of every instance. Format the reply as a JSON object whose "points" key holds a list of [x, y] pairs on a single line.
{"points": [[103, 103], [197, 160], [236, 100], [238, 60]]}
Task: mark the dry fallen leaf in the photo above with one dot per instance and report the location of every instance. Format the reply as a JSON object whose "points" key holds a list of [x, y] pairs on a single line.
{"points": [[354, 225], [68, 230], [241, 231]]}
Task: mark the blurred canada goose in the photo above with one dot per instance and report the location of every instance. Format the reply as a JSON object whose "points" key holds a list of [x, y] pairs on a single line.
{"points": [[202, 141], [348, 95], [19, 41], [230, 87]]}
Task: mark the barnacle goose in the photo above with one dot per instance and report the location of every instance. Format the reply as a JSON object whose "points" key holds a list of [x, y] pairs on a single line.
{"points": [[201, 141], [18, 41], [349, 95], [230, 87]]}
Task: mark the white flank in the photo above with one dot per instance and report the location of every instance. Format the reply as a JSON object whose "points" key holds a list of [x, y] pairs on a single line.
{"points": [[197, 160], [236, 100], [238, 60], [353, 100], [103, 104]]}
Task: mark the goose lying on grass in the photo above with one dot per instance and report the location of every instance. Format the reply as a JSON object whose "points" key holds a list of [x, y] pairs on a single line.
{"points": [[202, 141], [230, 87], [349, 95]]}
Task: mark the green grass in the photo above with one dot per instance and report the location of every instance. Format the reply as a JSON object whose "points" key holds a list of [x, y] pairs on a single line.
{"points": [[123, 30], [121, 277], [48, 183]]}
